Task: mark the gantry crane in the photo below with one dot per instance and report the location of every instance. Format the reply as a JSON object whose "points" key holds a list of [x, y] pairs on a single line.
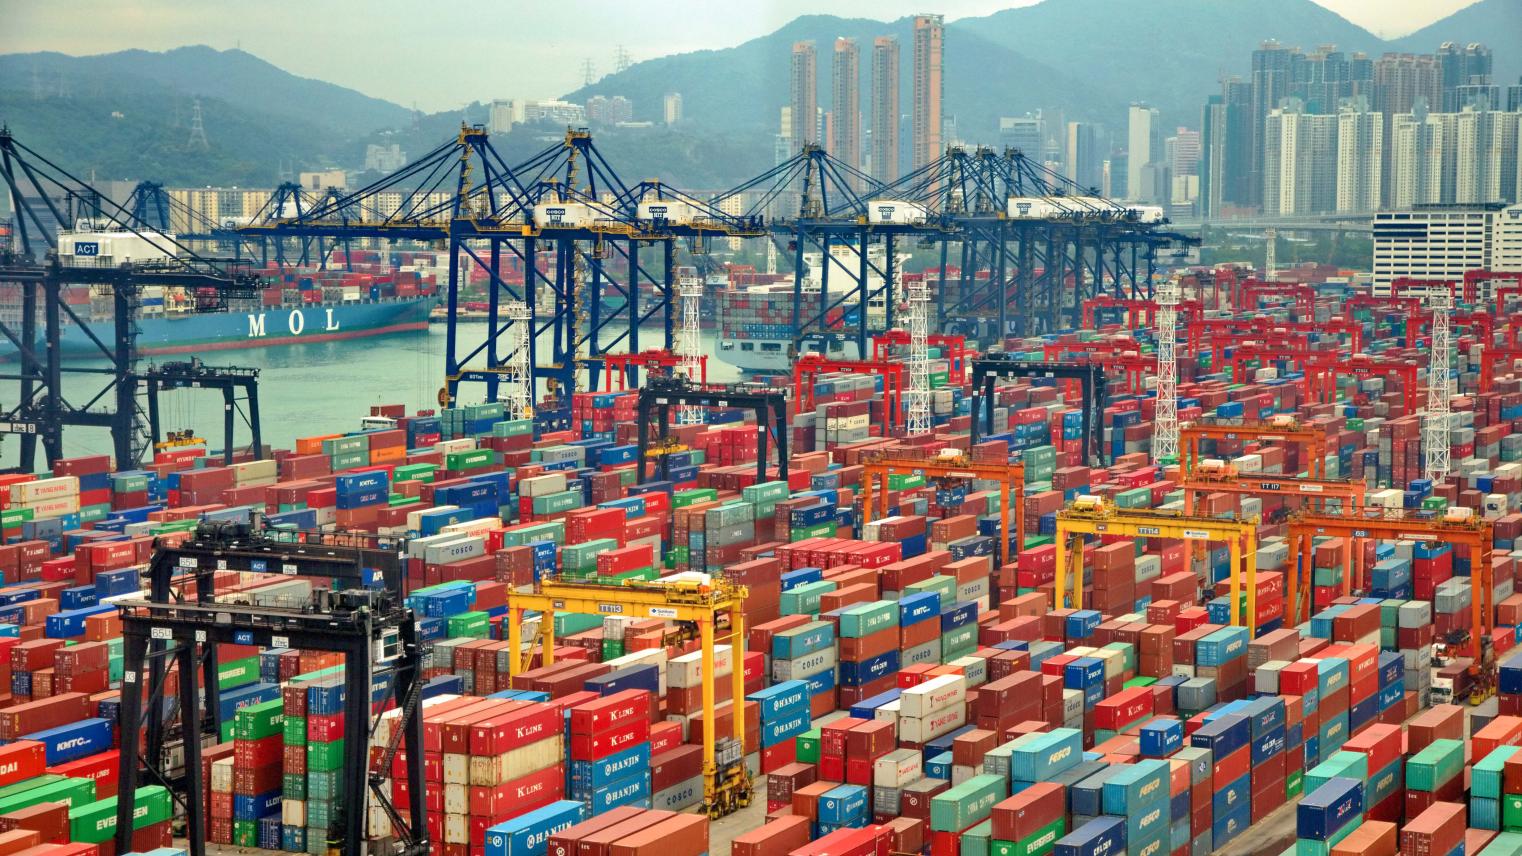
{"points": [[954, 346], [951, 464], [1383, 524], [1091, 380], [659, 394], [656, 361], [691, 598], [1219, 476], [807, 369], [1090, 515], [1281, 429]]}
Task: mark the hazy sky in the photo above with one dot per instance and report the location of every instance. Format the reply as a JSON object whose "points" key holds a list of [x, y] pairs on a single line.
{"points": [[443, 54]]}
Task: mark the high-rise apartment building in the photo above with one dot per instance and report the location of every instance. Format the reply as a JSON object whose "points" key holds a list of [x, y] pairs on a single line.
{"points": [[1299, 161], [885, 113], [671, 108], [1360, 156], [1416, 153], [1270, 83], [805, 96], [845, 105], [1401, 79], [1461, 66], [929, 46]]}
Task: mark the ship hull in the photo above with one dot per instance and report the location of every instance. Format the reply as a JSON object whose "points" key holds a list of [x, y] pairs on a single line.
{"points": [[253, 328], [770, 356]]}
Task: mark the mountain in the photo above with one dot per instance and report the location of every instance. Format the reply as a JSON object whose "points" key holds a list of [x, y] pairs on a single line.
{"points": [[199, 71], [1169, 53], [1486, 21], [745, 87], [128, 115]]}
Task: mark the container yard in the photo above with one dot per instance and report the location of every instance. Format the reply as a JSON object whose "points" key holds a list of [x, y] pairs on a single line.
{"points": [[617, 634]]}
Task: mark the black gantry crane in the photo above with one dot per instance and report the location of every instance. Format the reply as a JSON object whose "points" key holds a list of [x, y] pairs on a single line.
{"points": [[65, 233], [1091, 378], [659, 393], [362, 616]]}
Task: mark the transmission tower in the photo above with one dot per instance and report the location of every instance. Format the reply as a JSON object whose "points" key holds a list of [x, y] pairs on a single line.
{"points": [[518, 395], [588, 72], [1439, 393], [689, 346], [916, 318], [197, 130], [621, 60], [1165, 418]]}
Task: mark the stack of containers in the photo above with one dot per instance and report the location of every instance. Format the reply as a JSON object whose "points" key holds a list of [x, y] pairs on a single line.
{"points": [[257, 775], [785, 714], [609, 751]]}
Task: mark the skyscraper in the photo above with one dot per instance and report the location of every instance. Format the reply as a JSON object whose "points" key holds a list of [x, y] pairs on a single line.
{"points": [[1024, 133], [845, 104], [929, 37], [804, 102], [1270, 83], [672, 108], [1082, 158], [1360, 150], [1186, 152], [1144, 138], [885, 115], [1464, 65]]}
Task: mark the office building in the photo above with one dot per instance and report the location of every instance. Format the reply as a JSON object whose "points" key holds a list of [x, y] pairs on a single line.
{"points": [[1081, 157], [928, 88], [845, 105], [885, 112], [1360, 157], [1461, 66], [1445, 241], [805, 95], [1026, 134], [1185, 156], [1144, 143], [672, 108]]}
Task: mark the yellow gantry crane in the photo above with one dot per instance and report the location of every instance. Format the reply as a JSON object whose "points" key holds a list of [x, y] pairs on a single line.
{"points": [[1090, 515], [696, 598]]}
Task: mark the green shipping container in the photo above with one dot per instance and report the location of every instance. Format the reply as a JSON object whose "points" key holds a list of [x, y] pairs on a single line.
{"points": [[1038, 843], [1430, 768], [1485, 779], [324, 785], [905, 481], [968, 803], [258, 721], [237, 673], [350, 461], [1293, 782], [472, 625], [804, 599], [245, 833], [684, 498], [75, 792], [942, 585], [864, 619], [822, 530], [959, 642], [473, 459], [325, 756], [1504, 844], [554, 503], [293, 786], [95, 822], [808, 747], [974, 842], [334, 446]]}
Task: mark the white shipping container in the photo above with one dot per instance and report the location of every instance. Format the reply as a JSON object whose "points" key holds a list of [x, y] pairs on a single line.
{"points": [[489, 771], [541, 485], [417, 546], [974, 668], [933, 695], [41, 490], [293, 812], [888, 711], [222, 775], [912, 729], [456, 824], [463, 547], [687, 670], [1072, 704], [456, 770], [250, 473], [897, 768], [477, 527], [803, 667], [463, 444]]}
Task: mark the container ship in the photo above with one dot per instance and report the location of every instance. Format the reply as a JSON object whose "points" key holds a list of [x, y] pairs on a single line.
{"points": [[359, 296], [755, 317]]}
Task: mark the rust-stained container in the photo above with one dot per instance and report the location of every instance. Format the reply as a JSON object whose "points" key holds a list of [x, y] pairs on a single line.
{"points": [[682, 835]]}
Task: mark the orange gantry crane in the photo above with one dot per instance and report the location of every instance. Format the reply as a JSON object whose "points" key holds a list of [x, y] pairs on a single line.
{"points": [[1312, 441], [807, 368], [1385, 524], [950, 464], [1250, 290], [1349, 495]]}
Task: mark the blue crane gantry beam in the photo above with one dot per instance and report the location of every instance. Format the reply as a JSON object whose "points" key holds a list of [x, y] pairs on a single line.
{"points": [[577, 227]]}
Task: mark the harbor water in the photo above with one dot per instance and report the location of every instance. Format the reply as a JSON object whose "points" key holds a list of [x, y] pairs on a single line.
{"points": [[316, 388]]}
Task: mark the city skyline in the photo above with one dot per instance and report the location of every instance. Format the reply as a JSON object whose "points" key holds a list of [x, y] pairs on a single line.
{"points": [[544, 67]]}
